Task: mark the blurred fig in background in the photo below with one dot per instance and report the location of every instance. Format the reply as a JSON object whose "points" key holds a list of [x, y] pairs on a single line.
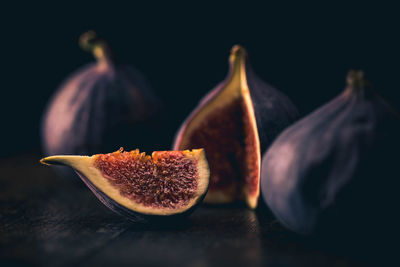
{"points": [[235, 123], [337, 170], [99, 107]]}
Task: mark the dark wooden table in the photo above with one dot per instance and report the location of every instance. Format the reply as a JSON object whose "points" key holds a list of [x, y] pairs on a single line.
{"points": [[46, 220]]}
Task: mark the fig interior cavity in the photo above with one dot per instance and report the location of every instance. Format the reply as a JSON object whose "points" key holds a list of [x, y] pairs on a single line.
{"points": [[166, 180], [236, 122], [224, 125], [228, 139]]}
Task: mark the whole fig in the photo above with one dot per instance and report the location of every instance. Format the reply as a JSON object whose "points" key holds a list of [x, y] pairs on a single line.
{"points": [[99, 107], [337, 170]]}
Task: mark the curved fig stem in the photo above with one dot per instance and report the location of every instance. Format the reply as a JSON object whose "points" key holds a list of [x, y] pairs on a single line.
{"points": [[89, 41], [355, 80], [237, 53], [237, 61]]}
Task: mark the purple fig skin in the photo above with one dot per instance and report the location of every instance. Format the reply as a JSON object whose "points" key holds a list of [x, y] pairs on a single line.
{"points": [[98, 107], [133, 184], [89, 103], [111, 204], [334, 171], [132, 215], [273, 110]]}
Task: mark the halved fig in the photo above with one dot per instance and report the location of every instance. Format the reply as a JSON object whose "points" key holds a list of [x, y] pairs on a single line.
{"points": [[140, 186], [235, 123]]}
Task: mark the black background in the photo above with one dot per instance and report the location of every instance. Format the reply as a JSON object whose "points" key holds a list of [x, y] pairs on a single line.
{"points": [[305, 50]]}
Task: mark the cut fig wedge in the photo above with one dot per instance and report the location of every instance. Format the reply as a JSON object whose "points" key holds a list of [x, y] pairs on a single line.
{"points": [[235, 123], [140, 186]]}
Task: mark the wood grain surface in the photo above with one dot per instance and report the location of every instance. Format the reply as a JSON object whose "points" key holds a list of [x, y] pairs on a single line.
{"points": [[46, 220]]}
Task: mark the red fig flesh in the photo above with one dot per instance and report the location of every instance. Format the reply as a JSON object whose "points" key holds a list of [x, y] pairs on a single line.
{"points": [[234, 123], [133, 184], [100, 106]]}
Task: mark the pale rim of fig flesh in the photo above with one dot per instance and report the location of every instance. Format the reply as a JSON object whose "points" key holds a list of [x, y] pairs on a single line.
{"points": [[235, 87], [89, 173]]}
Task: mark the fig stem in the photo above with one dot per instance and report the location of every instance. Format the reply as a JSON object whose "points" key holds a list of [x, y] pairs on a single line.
{"points": [[237, 53], [355, 80], [91, 42], [237, 61]]}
